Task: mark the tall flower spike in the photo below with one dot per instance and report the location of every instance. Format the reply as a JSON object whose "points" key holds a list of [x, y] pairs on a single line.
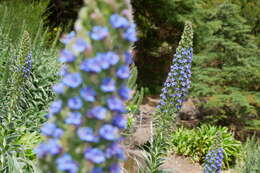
{"points": [[214, 158], [176, 86], [83, 131], [25, 56]]}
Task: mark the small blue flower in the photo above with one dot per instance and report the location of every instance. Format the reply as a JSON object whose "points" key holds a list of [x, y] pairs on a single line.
{"points": [[99, 33], [108, 85], [119, 121], [109, 132], [50, 129], [66, 56], [74, 118], [87, 134], [124, 92], [103, 60], [55, 107], [115, 150], [130, 34], [115, 104], [65, 163], [123, 72], [42, 150], [54, 147], [94, 155], [90, 65], [67, 38], [72, 80], [80, 45], [112, 57], [75, 103], [88, 94], [118, 21], [98, 112], [97, 170], [128, 58], [115, 168], [58, 88]]}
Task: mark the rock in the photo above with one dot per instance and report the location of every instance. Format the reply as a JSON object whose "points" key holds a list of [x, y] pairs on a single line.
{"points": [[188, 111], [135, 161]]}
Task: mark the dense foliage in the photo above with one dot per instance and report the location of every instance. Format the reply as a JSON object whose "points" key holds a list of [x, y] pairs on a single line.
{"points": [[197, 142]]}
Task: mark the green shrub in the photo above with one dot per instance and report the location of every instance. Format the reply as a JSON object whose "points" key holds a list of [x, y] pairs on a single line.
{"points": [[250, 162], [196, 143]]}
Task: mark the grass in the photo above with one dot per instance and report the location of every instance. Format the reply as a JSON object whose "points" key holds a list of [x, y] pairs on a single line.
{"points": [[19, 15], [24, 104]]}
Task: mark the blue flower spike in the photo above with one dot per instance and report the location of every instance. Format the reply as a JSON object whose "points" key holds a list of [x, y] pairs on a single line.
{"points": [[83, 131]]}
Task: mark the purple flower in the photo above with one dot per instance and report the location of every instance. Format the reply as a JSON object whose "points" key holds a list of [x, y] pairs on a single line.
{"points": [[87, 134], [103, 60], [58, 88], [115, 104], [123, 72], [67, 38], [80, 45], [124, 92], [42, 150], [109, 132], [53, 147], [118, 21], [128, 58], [108, 85], [66, 56], [50, 129], [72, 80], [98, 112], [88, 94], [115, 168], [75, 103], [115, 150], [55, 107], [112, 57], [97, 170], [99, 33], [213, 161], [74, 118], [90, 65], [94, 155], [130, 34], [119, 121], [65, 163]]}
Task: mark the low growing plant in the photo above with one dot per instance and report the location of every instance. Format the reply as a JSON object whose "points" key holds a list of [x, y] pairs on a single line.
{"points": [[196, 143]]}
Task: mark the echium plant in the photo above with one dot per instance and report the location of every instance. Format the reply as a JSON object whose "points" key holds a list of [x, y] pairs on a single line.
{"points": [[22, 69], [83, 130], [214, 158], [176, 86], [25, 56]]}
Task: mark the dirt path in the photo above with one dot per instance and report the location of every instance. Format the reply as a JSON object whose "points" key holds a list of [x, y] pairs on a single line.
{"points": [[178, 164]]}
